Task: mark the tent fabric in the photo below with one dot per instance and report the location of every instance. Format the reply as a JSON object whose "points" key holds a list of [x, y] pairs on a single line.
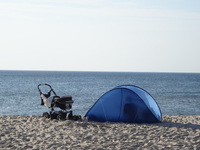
{"points": [[126, 103]]}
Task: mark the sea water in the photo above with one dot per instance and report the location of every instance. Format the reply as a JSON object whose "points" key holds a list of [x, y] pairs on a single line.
{"points": [[175, 93]]}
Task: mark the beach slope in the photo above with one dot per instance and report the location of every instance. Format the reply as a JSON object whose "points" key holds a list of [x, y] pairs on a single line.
{"points": [[35, 132]]}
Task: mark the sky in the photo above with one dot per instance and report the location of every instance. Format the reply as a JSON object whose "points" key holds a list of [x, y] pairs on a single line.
{"points": [[100, 35]]}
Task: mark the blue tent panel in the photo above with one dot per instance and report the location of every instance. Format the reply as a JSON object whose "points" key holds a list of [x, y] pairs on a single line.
{"points": [[125, 104], [101, 110], [147, 98]]}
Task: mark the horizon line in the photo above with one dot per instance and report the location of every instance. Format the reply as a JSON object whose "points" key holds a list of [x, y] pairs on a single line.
{"points": [[95, 71]]}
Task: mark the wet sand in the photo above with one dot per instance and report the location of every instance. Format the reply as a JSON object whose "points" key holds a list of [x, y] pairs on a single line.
{"points": [[35, 132]]}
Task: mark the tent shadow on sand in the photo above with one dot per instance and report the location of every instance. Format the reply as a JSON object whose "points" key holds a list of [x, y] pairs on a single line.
{"points": [[171, 124]]}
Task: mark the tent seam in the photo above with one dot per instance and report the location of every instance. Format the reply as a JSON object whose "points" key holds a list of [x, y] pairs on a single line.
{"points": [[120, 105]]}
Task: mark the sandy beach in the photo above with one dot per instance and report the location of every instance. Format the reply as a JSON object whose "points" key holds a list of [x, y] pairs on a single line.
{"points": [[35, 132]]}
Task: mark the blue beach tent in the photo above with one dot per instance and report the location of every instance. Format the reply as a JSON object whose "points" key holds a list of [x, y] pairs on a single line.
{"points": [[125, 103]]}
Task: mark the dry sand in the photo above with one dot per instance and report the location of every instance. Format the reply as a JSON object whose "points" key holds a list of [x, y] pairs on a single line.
{"points": [[35, 132]]}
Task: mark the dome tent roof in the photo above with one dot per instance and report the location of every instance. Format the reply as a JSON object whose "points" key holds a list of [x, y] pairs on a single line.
{"points": [[126, 103]]}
